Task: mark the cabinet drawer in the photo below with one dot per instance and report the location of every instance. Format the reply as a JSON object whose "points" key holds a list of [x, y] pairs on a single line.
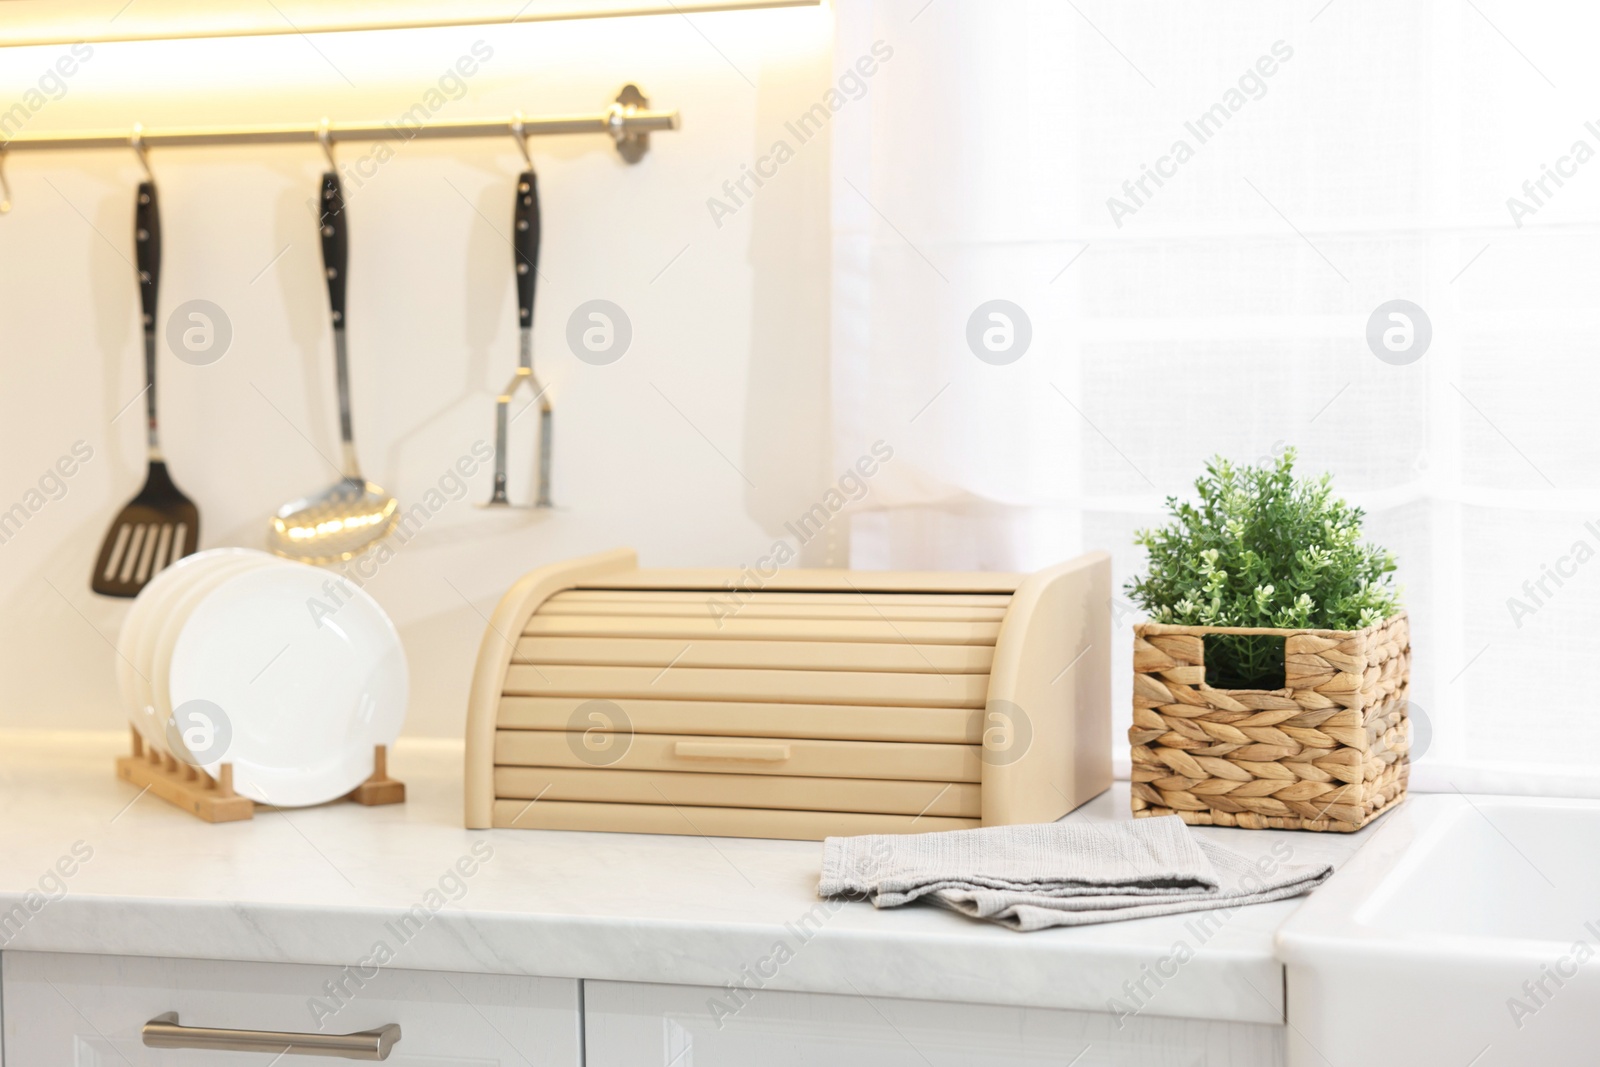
{"points": [[802, 757], [88, 1011]]}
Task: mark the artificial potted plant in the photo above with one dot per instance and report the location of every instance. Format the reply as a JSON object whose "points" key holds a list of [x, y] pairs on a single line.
{"points": [[1270, 683]]}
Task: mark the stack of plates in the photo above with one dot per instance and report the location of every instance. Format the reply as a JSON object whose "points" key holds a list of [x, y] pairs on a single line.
{"points": [[288, 673]]}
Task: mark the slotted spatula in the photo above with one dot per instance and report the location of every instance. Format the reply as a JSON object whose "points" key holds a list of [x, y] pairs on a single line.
{"points": [[160, 525]]}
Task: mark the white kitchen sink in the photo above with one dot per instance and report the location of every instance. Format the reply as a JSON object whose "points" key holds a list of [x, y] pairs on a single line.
{"points": [[1466, 931]]}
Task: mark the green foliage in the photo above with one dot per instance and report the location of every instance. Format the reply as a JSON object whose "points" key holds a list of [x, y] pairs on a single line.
{"points": [[1262, 548]]}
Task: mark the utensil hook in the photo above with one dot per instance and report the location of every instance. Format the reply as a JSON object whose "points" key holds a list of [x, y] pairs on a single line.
{"points": [[141, 150], [325, 139], [5, 186], [520, 135]]}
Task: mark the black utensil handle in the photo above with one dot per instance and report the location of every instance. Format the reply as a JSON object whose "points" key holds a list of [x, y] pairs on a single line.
{"points": [[525, 230], [335, 243], [147, 249]]}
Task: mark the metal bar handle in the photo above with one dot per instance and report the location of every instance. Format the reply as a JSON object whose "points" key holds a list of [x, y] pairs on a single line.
{"points": [[164, 1032]]}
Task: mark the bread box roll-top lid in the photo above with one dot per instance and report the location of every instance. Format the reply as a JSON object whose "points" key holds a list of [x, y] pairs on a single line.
{"points": [[798, 704]]}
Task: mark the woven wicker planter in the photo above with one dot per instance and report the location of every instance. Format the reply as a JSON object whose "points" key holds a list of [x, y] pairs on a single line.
{"points": [[1326, 752]]}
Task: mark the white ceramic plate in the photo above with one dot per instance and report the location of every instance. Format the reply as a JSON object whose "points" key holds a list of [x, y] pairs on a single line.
{"points": [[304, 694], [164, 632], [137, 636]]}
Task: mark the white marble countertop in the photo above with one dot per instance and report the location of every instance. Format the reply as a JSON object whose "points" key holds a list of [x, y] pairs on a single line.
{"points": [[324, 885]]}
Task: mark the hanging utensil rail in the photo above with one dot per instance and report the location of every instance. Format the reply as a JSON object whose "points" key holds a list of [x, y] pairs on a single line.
{"points": [[628, 120]]}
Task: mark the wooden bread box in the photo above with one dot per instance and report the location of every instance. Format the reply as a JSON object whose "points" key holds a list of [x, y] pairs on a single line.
{"points": [[799, 705]]}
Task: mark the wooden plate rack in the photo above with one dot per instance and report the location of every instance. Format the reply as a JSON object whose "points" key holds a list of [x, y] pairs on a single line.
{"points": [[186, 786]]}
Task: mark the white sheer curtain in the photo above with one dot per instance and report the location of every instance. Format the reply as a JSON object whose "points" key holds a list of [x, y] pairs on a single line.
{"points": [[1228, 311]]}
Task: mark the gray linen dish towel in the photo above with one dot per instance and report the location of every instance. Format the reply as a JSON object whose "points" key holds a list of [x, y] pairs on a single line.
{"points": [[1059, 874]]}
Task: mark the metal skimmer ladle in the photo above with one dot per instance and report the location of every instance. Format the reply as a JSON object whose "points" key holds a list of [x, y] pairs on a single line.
{"points": [[525, 231], [340, 522]]}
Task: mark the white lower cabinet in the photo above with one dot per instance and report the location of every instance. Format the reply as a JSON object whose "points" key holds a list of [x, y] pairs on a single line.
{"points": [[634, 1025], [89, 1011]]}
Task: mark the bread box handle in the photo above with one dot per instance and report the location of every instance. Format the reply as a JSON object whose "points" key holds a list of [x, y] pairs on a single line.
{"points": [[766, 751]]}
